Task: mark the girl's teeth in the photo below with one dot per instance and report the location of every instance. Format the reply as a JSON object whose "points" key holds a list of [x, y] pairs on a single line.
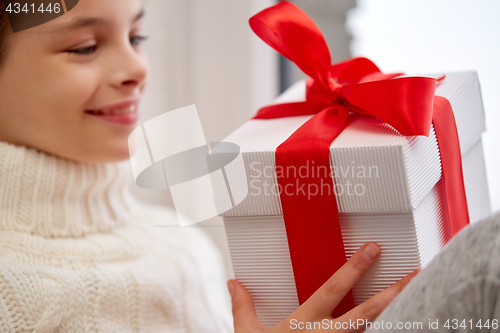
{"points": [[126, 110]]}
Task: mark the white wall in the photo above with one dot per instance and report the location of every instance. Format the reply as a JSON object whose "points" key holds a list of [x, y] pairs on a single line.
{"points": [[433, 36]]}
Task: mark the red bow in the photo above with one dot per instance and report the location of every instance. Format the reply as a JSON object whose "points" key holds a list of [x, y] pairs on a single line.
{"points": [[408, 104]]}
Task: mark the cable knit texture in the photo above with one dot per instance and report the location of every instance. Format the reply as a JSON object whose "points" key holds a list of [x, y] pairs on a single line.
{"points": [[77, 255]]}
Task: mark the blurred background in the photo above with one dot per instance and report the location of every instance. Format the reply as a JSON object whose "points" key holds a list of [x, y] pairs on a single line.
{"points": [[204, 53]]}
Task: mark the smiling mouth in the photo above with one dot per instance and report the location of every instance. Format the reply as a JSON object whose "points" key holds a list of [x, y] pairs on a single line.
{"points": [[127, 115], [116, 111]]}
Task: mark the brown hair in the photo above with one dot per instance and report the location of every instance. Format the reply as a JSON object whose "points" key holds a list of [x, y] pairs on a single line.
{"points": [[4, 31]]}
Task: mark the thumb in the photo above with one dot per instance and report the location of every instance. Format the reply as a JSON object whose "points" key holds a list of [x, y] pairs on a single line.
{"points": [[244, 316]]}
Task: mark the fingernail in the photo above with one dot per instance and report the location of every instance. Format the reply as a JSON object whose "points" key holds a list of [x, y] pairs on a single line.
{"points": [[370, 252], [230, 287]]}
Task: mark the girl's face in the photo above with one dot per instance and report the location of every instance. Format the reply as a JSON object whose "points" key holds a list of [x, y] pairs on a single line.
{"points": [[70, 87]]}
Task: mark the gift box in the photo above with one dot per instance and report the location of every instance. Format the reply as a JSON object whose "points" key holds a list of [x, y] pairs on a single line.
{"points": [[386, 187], [402, 208]]}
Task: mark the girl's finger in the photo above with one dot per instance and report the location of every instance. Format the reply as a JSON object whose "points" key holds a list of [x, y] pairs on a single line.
{"points": [[244, 316], [328, 296], [369, 310]]}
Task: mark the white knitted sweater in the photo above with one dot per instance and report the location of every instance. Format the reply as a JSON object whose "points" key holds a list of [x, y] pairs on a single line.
{"points": [[77, 255]]}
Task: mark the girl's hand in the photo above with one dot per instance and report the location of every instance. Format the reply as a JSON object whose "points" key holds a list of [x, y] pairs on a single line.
{"points": [[320, 305]]}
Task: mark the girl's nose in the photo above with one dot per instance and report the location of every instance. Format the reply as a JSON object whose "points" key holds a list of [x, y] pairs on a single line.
{"points": [[131, 68]]}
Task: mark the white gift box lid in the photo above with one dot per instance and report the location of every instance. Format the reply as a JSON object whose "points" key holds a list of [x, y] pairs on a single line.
{"points": [[385, 171]]}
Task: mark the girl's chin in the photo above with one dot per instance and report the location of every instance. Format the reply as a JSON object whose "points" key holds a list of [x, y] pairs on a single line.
{"points": [[101, 154], [111, 156]]}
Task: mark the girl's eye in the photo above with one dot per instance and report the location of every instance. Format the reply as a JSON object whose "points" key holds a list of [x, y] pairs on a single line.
{"points": [[136, 40], [85, 50]]}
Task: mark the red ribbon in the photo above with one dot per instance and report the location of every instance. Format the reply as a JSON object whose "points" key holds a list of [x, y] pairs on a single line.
{"points": [[408, 104]]}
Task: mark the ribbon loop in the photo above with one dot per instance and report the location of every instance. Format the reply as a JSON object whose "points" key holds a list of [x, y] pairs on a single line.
{"points": [[404, 103], [292, 33]]}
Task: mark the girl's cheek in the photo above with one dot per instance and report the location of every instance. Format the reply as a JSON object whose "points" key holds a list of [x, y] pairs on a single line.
{"points": [[79, 86]]}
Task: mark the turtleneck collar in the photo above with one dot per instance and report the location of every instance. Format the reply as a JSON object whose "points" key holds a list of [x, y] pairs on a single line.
{"points": [[50, 196]]}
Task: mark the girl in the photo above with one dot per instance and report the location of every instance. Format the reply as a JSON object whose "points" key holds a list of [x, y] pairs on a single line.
{"points": [[75, 251], [76, 254]]}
